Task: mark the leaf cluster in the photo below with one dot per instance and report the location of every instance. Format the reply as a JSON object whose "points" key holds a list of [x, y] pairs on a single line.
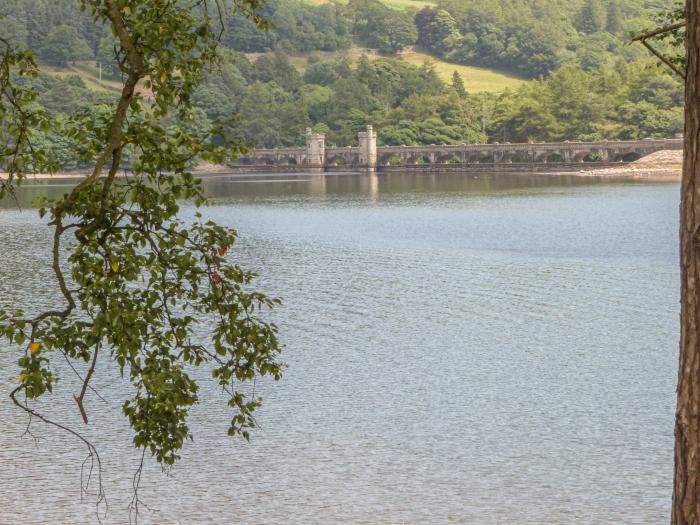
{"points": [[139, 284], [19, 115]]}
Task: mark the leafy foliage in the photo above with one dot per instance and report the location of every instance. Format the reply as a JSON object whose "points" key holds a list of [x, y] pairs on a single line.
{"points": [[532, 37], [411, 105], [529, 37], [673, 42], [275, 102], [375, 25], [616, 102], [135, 279], [19, 114], [63, 45]]}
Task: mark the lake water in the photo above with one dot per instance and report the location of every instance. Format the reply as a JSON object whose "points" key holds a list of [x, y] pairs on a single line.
{"points": [[461, 350]]}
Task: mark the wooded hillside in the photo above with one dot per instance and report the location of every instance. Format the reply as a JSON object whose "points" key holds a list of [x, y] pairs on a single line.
{"points": [[592, 83]]}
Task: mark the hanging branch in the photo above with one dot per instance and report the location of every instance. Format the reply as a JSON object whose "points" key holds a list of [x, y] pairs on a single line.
{"points": [[643, 39], [138, 282]]}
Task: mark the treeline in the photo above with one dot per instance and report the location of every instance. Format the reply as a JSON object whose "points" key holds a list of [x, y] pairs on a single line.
{"points": [[408, 104], [533, 37], [616, 101], [56, 30], [612, 97], [411, 105], [528, 37]]}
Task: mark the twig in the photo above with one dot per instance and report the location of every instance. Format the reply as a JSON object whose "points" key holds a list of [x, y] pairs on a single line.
{"points": [[663, 59], [92, 451], [657, 32], [661, 31], [79, 399], [81, 377]]}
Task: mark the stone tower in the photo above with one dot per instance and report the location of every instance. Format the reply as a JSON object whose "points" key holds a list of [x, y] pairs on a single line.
{"points": [[315, 150], [368, 149]]}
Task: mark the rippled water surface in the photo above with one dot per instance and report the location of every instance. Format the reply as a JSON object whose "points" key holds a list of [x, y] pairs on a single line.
{"points": [[461, 350]]}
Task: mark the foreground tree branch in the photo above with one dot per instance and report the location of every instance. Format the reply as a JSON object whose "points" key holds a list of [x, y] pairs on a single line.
{"points": [[136, 280], [644, 40], [671, 31]]}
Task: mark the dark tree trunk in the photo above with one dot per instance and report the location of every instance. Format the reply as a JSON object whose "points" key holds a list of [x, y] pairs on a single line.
{"points": [[686, 487]]}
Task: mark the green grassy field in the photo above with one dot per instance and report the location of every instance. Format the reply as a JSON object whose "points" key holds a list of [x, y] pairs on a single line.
{"points": [[88, 72], [90, 75], [476, 79]]}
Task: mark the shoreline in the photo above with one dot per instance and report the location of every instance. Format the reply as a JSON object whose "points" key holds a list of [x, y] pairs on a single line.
{"points": [[664, 165]]}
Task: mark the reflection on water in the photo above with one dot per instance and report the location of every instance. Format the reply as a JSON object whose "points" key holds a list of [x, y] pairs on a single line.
{"points": [[490, 349], [374, 185], [262, 186]]}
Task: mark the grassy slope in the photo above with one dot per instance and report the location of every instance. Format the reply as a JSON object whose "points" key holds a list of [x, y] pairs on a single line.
{"points": [[89, 73], [90, 78], [476, 79]]}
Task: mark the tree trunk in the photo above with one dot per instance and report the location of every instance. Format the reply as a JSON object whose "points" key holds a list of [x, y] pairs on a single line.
{"points": [[686, 486]]}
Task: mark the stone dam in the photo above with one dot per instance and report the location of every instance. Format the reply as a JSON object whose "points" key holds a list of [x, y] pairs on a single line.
{"points": [[315, 156]]}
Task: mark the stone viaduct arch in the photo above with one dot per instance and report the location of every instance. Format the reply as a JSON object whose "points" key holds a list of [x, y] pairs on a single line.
{"points": [[315, 156]]}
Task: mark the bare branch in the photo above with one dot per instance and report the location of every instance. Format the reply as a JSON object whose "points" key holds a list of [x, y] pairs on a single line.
{"points": [[663, 59], [643, 39], [657, 32], [79, 399], [92, 451]]}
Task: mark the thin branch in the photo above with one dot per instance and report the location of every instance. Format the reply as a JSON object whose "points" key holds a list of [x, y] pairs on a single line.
{"points": [[643, 39], [79, 399], [135, 500], [92, 451], [82, 379], [660, 31], [663, 59]]}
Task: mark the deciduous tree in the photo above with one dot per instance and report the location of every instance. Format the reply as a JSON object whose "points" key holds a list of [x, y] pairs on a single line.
{"points": [[63, 45], [134, 279]]}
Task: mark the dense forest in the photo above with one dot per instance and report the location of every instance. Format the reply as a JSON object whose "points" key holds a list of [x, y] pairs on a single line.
{"points": [[587, 82], [530, 37]]}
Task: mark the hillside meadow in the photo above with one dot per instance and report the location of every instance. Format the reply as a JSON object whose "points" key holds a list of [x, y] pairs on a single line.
{"points": [[476, 79]]}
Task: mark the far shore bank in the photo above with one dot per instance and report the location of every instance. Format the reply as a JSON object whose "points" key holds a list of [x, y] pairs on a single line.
{"points": [[660, 166], [665, 165]]}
